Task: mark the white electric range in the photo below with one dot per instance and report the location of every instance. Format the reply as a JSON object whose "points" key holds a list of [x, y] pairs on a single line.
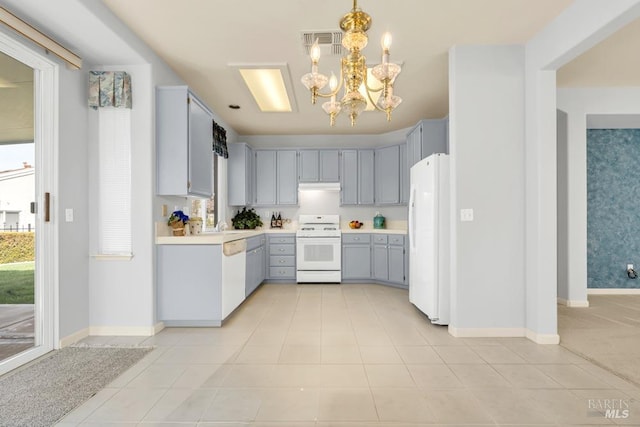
{"points": [[319, 249]]}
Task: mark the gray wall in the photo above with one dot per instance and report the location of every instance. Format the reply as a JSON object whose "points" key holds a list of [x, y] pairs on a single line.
{"points": [[563, 205]]}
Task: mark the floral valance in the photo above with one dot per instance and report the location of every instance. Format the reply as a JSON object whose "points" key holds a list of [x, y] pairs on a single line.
{"points": [[220, 141], [109, 89]]}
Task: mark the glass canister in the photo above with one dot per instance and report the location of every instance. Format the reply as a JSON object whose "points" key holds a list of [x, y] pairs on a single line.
{"points": [[378, 221]]}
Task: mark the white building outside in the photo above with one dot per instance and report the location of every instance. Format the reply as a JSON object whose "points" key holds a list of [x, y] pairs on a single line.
{"points": [[17, 188]]}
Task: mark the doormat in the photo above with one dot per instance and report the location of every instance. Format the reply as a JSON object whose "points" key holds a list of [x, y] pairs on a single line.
{"points": [[41, 393]]}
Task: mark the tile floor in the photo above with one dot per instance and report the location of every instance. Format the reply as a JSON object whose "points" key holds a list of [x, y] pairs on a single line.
{"points": [[607, 332], [349, 355]]}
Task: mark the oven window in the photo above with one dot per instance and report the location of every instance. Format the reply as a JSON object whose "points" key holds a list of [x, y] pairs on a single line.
{"points": [[318, 253]]}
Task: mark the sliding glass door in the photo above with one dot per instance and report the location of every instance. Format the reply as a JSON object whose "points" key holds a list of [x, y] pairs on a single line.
{"points": [[27, 266]]}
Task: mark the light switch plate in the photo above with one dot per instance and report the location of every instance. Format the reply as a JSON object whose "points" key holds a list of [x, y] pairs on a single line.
{"points": [[466, 215], [68, 215]]}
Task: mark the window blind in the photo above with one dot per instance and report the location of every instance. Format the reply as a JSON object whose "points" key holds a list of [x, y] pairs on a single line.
{"points": [[114, 183]]}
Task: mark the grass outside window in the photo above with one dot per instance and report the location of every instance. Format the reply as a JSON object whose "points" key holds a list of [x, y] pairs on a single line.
{"points": [[16, 283]]}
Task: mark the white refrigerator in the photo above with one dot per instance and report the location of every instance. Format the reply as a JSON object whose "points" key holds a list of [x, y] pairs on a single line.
{"points": [[429, 219]]}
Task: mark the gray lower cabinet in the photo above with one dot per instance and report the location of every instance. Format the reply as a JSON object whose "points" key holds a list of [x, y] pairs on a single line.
{"points": [[356, 256], [256, 263], [282, 257], [357, 177], [183, 134], [388, 258], [240, 174]]}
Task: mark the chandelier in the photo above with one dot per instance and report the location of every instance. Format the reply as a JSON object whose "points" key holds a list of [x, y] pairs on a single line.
{"points": [[353, 72]]}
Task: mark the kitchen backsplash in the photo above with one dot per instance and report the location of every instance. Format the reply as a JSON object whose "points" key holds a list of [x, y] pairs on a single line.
{"points": [[327, 202]]}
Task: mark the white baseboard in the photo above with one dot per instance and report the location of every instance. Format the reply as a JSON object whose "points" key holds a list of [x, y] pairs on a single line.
{"points": [[158, 327], [123, 331], [573, 303], [613, 291], [73, 338], [504, 333], [542, 338], [486, 332]]}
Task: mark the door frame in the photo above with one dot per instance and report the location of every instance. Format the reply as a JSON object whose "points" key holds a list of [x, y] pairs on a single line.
{"points": [[46, 304]]}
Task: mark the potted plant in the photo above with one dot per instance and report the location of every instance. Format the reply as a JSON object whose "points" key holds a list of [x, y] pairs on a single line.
{"points": [[177, 221], [246, 219]]}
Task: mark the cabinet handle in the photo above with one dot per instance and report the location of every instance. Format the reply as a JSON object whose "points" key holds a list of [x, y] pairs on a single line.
{"points": [[356, 238], [281, 261], [281, 249], [188, 185]]}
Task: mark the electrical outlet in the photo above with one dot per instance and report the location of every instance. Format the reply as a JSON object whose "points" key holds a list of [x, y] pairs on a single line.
{"points": [[164, 210], [68, 215], [629, 267], [466, 215]]}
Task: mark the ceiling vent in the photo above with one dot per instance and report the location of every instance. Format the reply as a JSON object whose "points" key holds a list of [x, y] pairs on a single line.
{"points": [[330, 42]]}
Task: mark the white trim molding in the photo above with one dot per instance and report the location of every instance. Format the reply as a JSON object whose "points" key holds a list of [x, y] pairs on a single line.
{"points": [[73, 338], [486, 332], [613, 291], [573, 303], [504, 333], [123, 331], [542, 338], [158, 328]]}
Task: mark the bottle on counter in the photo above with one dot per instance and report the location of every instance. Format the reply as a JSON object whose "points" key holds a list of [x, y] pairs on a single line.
{"points": [[273, 220], [279, 221]]}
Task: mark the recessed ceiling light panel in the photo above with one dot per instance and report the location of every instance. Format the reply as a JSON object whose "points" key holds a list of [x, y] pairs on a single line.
{"points": [[269, 85]]}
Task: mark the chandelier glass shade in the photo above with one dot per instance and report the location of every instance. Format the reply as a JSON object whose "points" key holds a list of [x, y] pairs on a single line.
{"points": [[353, 73]]}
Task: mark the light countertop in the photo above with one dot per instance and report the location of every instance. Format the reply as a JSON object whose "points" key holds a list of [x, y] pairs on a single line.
{"points": [[164, 237]]}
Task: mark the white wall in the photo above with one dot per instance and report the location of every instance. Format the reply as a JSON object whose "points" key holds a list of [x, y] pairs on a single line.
{"points": [[486, 138], [73, 187], [582, 25], [578, 103]]}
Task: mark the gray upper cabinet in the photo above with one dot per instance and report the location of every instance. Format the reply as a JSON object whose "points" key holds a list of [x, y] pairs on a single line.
{"points": [[265, 177], [366, 177], [387, 175], [349, 177], [240, 174], [319, 165], [287, 167], [404, 175], [309, 165], [357, 177], [329, 166], [426, 138], [184, 151], [276, 177]]}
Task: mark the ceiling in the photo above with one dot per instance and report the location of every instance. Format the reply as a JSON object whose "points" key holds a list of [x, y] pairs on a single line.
{"points": [[16, 101], [200, 39]]}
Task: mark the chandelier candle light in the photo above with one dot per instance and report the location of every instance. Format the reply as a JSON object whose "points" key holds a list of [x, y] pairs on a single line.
{"points": [[353, 72]]}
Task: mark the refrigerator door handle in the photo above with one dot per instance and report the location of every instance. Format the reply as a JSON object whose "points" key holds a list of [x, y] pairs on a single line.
{"points": [[412, 225]]}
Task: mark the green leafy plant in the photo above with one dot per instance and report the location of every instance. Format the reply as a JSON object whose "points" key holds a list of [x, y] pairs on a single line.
{"points": [[246, 219]]}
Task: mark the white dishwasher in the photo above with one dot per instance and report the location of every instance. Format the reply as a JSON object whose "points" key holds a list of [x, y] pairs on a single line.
{"points": [[234, 261]]}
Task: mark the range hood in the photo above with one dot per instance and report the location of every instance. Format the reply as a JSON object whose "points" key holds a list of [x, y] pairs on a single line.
{"points": [[319, 186]]}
